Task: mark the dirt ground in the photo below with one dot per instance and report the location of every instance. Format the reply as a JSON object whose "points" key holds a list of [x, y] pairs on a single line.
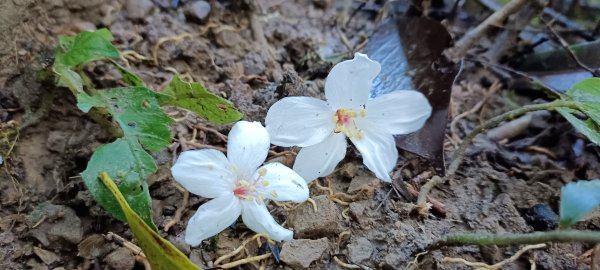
{"points": [[255, 54]]}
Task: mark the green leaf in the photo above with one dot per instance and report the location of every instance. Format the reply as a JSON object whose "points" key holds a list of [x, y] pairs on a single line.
{"points": [[577, 200], [587, 127], [161, 254], [137, 112], [86, 47], [587, 92], [129, 164], [69, 78], [129, 77], [194, 97]]}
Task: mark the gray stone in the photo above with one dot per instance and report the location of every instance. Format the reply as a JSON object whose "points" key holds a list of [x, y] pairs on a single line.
{"points": [[299, 254], [197, 11], [120, 259], [138, 9], [310, 224], [179, 242], [57, 226], [363, 182], [360, 250]]}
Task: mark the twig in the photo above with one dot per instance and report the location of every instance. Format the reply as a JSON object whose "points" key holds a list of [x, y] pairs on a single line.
{"points": [[459, 153], [201, 145], [125, 243], [533, 79], [565, 46], [484, 266], [179, 211], [470, 38], [561, 236], [245, 261], [495, 86], [220, 135]]}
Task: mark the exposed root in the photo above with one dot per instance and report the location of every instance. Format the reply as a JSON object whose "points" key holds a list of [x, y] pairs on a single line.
{"points": [[179, 211], [239, 249], [162, 40], [245, 261], [338, 201], [134, 56], [314, 204], [345, 214], [144, 261], [320, 187], [484, 266], [344, 264], [414, 264], [287, 206]]}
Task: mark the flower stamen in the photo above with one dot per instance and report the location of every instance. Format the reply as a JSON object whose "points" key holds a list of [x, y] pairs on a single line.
{"points": [[345, 121]]}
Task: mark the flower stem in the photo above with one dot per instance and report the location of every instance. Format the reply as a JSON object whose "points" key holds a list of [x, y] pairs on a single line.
{"points": [[560, 236], [459, 154]]}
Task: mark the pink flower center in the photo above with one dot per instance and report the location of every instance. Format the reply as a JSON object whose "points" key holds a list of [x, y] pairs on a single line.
{"points": [[241, 191]]}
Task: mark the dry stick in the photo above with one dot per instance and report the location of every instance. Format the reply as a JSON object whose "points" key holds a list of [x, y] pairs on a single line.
{"points": [[561, 236], [459, 153], [572, 54], [179, 211], [470, 38]]}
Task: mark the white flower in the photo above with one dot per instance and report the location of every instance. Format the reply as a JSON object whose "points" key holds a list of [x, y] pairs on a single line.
{"points": [[322, 127], [236, 185]]}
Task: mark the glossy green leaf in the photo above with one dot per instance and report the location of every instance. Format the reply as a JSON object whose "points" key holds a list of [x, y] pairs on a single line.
{"points": [[161, 254], [587, 127], [577, 200], [137, 112], [129, 164], [86, 47], [587, 92], [194, 97]]}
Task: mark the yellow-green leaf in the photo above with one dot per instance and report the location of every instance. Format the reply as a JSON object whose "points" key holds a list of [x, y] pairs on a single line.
{"points": [[161, 254], [194, 97]]}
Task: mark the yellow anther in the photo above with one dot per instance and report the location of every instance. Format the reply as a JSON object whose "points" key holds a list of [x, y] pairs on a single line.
{"points": [[264, 183], [363, 113], [273, 194], [262, 171]]}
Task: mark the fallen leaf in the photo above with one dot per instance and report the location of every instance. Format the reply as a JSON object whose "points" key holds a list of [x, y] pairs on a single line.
{"points": [[409, 50]]}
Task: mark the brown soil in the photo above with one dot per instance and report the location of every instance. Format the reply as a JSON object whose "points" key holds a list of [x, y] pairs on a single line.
{"points": [[254, 55]]}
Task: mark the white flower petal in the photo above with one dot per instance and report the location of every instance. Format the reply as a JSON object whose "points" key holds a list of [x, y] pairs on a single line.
{"points": [[349, 82], [206, 173], [301, 121], [378, 150], [400, 112], [320, 159], [247, 147], [257, 218], [211, 218], [282, 183]]}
